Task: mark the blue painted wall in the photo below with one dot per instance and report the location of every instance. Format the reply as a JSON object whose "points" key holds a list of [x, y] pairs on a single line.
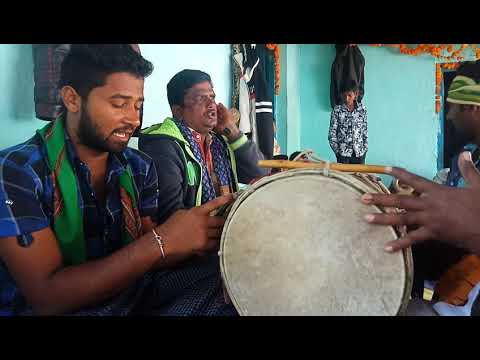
{"points": [[17, 112], [399, 96]]}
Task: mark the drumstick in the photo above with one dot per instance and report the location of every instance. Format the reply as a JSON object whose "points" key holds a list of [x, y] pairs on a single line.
{"points": [[360, 168]]}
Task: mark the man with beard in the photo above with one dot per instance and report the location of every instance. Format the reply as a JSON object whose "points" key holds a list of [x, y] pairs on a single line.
{"points": [[78, 209], [447, 215]]}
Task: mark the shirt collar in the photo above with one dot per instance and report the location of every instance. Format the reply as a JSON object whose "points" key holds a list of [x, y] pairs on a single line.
{"points": [[198, 137], [356, 106]]}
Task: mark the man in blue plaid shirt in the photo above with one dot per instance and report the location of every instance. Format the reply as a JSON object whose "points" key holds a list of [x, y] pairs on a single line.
{"points": [[78, 231]]}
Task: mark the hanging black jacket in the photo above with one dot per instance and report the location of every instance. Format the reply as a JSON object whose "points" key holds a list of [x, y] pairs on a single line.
{"points": [[257, 85], [347, 67]]}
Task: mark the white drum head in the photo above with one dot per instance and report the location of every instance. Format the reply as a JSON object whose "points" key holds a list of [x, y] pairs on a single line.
{"points": [[297, 244]]}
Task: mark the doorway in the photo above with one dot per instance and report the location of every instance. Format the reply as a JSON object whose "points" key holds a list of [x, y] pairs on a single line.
{"points": [[452, 142]]}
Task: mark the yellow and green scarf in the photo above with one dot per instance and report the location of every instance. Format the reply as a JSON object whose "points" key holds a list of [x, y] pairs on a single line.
{"points": [[464, 90]]}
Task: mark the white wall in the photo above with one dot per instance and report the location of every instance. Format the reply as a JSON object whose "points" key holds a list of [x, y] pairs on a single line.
{"points": [[168, 59]]}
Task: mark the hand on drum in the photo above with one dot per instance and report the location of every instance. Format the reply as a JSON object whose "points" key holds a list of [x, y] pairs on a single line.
{"points": [[194, 231], [442, 213]]}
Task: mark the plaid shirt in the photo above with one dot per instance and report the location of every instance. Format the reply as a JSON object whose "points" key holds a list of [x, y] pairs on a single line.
{"points": [[26, 203], [349, 130]]}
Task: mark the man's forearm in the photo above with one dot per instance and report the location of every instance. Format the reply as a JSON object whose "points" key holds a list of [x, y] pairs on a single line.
{"points": [[247, 156], [74, 287]]}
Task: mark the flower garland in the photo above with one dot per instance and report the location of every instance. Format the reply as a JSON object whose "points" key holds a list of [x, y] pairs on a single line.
{"points": [[276, 51], [446, 52]]}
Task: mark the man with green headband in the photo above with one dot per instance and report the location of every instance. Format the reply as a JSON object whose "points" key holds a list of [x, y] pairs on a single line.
{"points": [[449, 215], [78, 208]]}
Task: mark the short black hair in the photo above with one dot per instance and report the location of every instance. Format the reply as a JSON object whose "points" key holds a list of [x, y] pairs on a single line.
{"points": [[87, 66], [181, 82], [470, 69], [349, 86]]}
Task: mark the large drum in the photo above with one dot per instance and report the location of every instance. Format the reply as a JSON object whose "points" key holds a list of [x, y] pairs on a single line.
{"points": [[295, 243]]}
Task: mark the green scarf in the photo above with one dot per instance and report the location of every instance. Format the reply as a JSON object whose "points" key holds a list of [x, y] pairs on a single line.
{"points": [[68, 217]]}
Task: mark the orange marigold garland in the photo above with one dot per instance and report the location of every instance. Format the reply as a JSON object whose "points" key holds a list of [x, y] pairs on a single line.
{"points": [[438, 84], [276, 52], [447, 52]]}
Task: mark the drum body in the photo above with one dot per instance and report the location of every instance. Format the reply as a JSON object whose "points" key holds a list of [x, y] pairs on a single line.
{"points": [[296, 243]]}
